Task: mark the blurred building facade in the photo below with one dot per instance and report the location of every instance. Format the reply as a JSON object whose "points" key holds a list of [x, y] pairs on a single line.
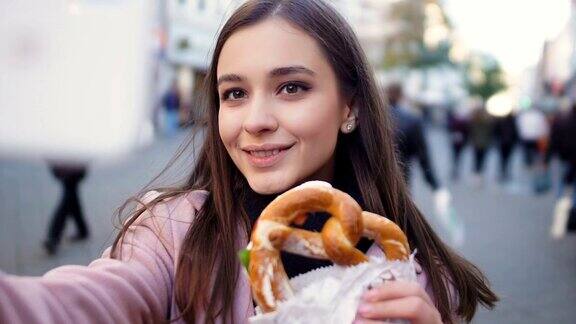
{"points": [[555, 74], [191, 28], [371, 23]]}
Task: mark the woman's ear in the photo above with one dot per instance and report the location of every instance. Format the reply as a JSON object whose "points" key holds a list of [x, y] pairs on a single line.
{"points": [[350, 120]]}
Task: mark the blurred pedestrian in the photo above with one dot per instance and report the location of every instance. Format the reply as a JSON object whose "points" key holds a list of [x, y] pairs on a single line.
{"points": [[171, 103], [458, 128], [563, 145], [409, 137], [506, 137], [533, 127], [481, 135], [69, 176], [411, 144]]}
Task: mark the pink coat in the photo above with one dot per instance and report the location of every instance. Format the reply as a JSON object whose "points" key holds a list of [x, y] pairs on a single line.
{"points": [[137, 289]]}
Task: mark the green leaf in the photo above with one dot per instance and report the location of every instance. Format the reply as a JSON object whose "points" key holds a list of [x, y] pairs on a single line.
{"points": [[244, 256]]}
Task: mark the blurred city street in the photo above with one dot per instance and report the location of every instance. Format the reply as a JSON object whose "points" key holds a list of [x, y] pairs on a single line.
{"points": [[103, 101], [507, 236], [506, 227]]}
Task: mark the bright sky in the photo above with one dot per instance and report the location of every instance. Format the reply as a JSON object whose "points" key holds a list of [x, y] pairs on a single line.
{"points": [[511, 30]]}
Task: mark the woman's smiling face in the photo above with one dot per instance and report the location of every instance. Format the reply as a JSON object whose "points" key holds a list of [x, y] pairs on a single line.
{"points": [[280, 106]]}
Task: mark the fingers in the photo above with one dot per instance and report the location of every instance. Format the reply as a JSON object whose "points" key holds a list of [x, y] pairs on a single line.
{"points": [[411, 308], [398, 300], [396, 289]]}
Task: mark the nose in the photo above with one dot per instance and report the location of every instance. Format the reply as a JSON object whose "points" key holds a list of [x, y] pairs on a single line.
{"points": [[260, 116]]}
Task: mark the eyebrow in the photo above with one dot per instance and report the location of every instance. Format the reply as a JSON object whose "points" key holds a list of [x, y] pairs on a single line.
{"points": [[282, 71], [229, 78], [277, 72]]}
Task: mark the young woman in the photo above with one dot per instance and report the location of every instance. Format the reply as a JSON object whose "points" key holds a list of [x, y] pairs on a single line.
{"points": [[290, 98]]}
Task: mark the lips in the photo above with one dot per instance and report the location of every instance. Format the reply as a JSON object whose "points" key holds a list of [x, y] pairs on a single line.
{"points": [[265, 155]]}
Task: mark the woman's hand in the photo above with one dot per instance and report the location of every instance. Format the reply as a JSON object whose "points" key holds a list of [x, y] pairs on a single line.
{"points": [[397, 300]]}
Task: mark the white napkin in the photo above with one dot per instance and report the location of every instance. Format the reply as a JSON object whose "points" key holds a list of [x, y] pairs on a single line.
{"points": [[332, 294]]}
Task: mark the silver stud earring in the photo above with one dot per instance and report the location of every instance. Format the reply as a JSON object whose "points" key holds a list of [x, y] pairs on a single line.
{"points": [[349, 127]]}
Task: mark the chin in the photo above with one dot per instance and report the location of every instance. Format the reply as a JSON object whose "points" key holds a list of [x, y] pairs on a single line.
{"points": [[268, 186]]}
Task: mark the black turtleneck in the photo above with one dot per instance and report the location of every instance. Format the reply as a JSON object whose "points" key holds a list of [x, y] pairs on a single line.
{"points": [[296, 264]]}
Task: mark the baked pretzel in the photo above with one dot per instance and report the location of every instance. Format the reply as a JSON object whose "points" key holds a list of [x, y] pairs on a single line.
{"points": [[336, 242]]}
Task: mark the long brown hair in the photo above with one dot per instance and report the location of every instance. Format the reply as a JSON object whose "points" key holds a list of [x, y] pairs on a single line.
{"points": [[211, 242]]}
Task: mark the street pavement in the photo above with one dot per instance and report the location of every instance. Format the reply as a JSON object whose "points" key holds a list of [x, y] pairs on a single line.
{"points": [[506, 226]]}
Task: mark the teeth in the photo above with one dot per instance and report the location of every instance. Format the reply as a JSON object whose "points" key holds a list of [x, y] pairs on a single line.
{"points": [[265, 153]]}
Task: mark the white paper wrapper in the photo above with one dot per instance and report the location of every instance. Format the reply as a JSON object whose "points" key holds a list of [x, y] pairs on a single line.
{"points": [[332, 294]]}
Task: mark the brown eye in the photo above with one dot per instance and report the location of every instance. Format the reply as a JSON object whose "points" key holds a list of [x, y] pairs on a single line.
{"points": [[234, 94], [293, 88], [237, 94]]}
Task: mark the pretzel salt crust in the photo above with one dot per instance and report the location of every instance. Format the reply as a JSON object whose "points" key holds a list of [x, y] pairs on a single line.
{"points": [[336, 242]]}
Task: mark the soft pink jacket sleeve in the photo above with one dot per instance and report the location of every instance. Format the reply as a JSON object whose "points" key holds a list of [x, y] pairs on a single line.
{"points": [[135, 289]]}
